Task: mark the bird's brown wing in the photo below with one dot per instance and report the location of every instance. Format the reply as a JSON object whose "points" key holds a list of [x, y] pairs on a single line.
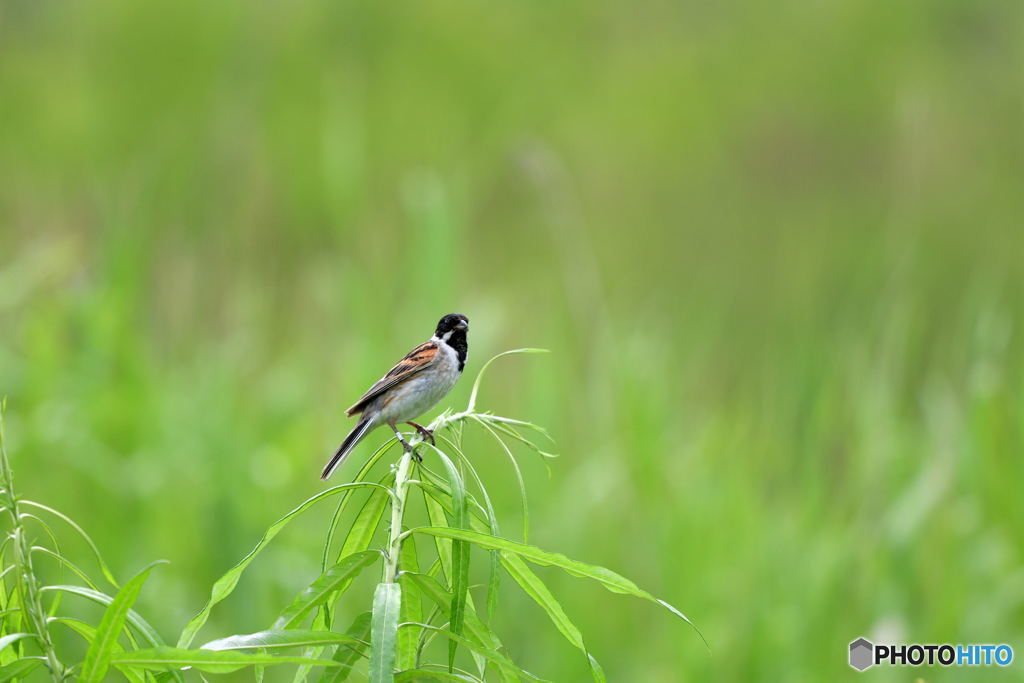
{"points": [[416, 360]]}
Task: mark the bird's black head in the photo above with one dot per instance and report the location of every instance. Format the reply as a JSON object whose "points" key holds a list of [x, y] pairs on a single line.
{"points": [[452, 329], [450, 323]]}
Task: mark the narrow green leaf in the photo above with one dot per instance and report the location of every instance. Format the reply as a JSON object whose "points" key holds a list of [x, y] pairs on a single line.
{"points": [[361, 475], [223, 587], [67, 564], [14, 621], [505, 427], [97, 658], [26, 516], [140, 624], [88, 633], [19, 668], [412, 607], [104, 569], [480, 375], [438, 502], [436, 515], [330, 583], [489, 654], [615, 583], [519, 477], [213, 661], [494, 575], [421, 674], [360, 534], [481, 520], [387, 601], [13, 638], [491, 417], [536, 589], [477, 630], [358, 538], [273, 639], [346, 656], [460, 555]]}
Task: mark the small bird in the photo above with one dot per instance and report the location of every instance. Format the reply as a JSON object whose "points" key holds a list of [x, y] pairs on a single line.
{"points": [[411, 388]]}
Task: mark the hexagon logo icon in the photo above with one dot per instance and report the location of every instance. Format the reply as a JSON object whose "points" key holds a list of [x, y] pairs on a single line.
{"points": [[861, 654]]}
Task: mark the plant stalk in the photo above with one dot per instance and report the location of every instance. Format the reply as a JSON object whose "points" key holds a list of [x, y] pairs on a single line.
{"points": [[397, 513], [28, 584], [401, 491]]}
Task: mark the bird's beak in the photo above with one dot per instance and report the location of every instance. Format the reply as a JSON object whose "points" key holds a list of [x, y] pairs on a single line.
{"points": [[463, 325]]}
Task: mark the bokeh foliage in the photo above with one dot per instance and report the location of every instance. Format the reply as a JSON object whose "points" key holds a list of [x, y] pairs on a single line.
{"points": [[775, 249]]}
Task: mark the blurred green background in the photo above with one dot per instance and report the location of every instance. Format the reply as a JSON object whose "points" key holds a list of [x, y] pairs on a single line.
{"points": [[775, 249]]}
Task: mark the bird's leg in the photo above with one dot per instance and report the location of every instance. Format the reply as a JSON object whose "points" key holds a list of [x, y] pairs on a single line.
{"points": [[427, 434], [405, 444]]}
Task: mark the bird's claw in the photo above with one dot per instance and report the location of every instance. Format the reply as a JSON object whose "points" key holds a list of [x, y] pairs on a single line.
{"points": [[427, 434]]}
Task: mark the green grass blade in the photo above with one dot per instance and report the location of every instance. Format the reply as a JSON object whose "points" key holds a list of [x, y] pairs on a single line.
{"points": [[97, 658], [412, 607], [536, 589], [615, 583], [460, 555], [212, 661], [329, 584], [223, 587], [346, 656], [275, 639], [387, 601], [479, 376]]}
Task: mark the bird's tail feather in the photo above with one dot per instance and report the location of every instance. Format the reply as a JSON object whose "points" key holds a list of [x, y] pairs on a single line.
{"points": [[361, 429]]}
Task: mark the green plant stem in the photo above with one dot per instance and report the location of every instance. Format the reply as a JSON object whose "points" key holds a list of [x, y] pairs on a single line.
{"points": [[401, 491], [397, 513], [28, 584]]}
